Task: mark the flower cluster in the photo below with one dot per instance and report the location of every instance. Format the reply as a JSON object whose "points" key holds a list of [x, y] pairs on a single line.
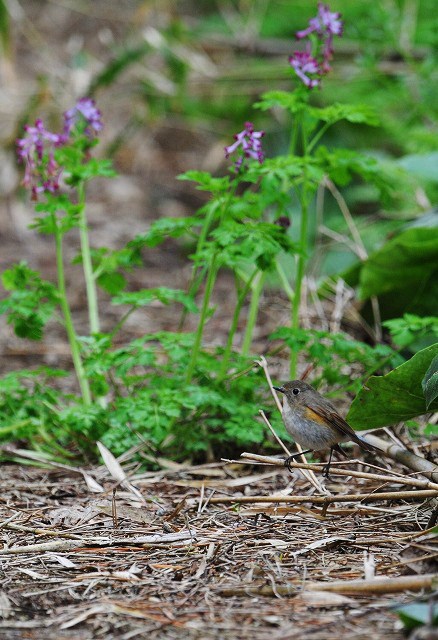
{"points": [[84, 109], [36, 151], [250, 142], [37, 148], [311, 66]]}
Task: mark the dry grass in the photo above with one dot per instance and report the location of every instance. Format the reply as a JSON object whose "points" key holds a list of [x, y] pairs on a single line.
{"points": [[161, 557]]}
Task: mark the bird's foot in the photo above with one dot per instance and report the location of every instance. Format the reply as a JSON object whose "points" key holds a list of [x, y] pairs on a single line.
{"points": [[291, 458]]}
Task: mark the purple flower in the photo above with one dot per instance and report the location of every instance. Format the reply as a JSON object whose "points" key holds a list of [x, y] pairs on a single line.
{"points": [[325, 25], [35, 150], [85, 109], [305, 66], [250, 141]]}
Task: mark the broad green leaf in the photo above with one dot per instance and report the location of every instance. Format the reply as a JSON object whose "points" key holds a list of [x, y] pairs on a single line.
{"points": [[430, 382], [394, 397], [405, 272], [416, 614], [424, 165]]}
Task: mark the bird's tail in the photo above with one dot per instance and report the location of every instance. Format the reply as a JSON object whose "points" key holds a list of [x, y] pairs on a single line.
{"points": [[365, 445]]}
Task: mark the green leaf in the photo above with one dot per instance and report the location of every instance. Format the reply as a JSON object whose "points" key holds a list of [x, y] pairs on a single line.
{"points": [[294, 102], [357, 113], [206, 182], [252, 242], [94, 168], [31, 301], [430, 382], [405, 272], [123, 59], [416, 614], [61, 214], [333, 355], [162, 229], [163, 294], [424, 165], [404, 331], [113, 282], [394, 397], [431, 431]]}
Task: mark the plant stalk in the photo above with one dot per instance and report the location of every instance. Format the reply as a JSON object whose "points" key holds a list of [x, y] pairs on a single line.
{"points": [[209, 285], [87, 265], [68, 322], [237, 309], [257, 288]]}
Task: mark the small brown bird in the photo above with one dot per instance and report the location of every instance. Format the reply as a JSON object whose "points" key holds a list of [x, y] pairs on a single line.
{"points": [[314, 422]]}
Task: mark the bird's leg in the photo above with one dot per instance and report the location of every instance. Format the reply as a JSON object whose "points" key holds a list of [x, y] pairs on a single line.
{"points": [[326, 469], [292, 458]]}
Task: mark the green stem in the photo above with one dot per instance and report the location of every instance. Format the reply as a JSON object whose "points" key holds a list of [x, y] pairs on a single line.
{"points": [[318, 136], [209, 285], [122, 321], [11, 428], [284, 281], [195, 281], [90, 282], [237, 309], [302, 256], [257, 289], [301, 267], [68, 322]]}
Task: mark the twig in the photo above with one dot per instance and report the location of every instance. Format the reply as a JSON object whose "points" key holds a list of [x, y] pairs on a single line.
{"points": [[279, 440], [353, 497], [335, 470], [406, 457], [350, 587], [376, 585], [100, 542]]}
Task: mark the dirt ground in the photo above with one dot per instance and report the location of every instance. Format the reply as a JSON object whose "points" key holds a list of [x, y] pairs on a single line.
{"points": [[85, 556]]}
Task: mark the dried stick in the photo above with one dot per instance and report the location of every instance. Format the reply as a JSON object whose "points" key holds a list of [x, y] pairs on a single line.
{"points": [[64, 545], [335, 470], [409, 459], [376, 585], [350, 587], [421, 494], [271, 429]]}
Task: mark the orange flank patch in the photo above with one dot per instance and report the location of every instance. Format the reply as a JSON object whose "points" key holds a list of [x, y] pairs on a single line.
{"points": [[311, 415]]}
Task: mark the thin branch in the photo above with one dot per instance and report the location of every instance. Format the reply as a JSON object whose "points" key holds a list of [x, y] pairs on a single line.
{"points": [[335, 470], [347, 587], [352, 497]]}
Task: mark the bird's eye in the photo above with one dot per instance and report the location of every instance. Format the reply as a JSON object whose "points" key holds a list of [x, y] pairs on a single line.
{"points": [[295, 391]]}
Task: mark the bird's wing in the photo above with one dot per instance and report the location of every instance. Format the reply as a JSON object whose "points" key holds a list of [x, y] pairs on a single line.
{"points": [[333, 417]]}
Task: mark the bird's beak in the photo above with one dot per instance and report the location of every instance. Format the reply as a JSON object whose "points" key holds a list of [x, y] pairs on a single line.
{"points": [[280, 389]]}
